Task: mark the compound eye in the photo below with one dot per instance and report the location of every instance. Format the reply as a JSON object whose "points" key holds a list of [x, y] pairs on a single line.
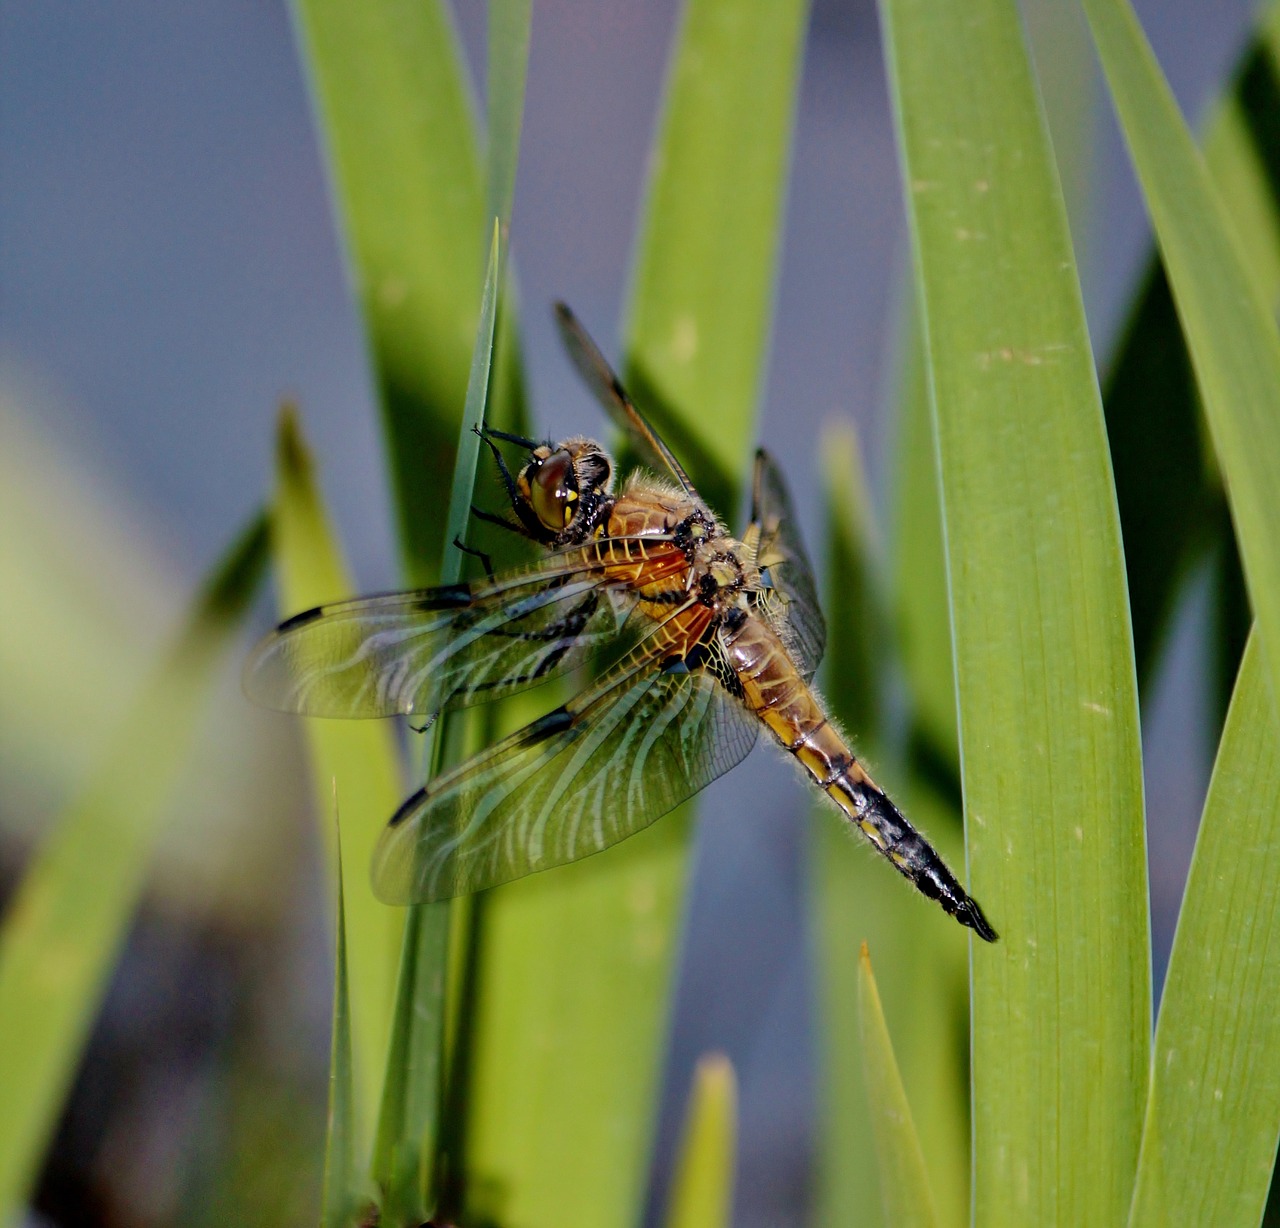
{"points": [[553, 491]]}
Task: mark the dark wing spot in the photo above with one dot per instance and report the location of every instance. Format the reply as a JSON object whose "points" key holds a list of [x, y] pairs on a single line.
{"points": [[448, 597], [301, 620], [407, 807], [547, 727]]}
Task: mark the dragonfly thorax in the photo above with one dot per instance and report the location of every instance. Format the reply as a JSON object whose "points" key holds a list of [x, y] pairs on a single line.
{"points": [[721, 574]]}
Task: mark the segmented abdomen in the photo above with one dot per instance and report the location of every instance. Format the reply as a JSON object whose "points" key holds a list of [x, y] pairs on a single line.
{"points": [[773, 688]]}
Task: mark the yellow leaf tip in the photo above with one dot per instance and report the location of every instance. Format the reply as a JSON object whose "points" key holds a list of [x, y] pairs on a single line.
{"points": [[292, 455], [715, 1064]]}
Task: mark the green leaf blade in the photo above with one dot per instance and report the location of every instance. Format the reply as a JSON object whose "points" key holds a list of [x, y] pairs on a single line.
{"points": [[355, 758], [65, 925], [1167, 482], [573, 982], [920, 566], [1213, 1115], [922, 955], [395, 112], [509, 25], [702, 1192], [409, 1125], [341, 1199], [1226, 318], [462, 488], [403, 1165], [904, 1180], [703, 278], [1044, 666]]}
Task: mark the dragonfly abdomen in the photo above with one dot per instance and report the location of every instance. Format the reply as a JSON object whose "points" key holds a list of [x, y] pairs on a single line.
{"points": [[884, 825], [773, 688]]}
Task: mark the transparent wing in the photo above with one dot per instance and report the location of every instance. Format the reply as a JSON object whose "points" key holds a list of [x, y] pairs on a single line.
{"points": [[419, 652], [782, 557], [600, 378], [585, 776]]}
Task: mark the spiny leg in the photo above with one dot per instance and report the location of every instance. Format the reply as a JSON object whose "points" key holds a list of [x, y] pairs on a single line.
{"points": [[518, 505], [487, 432], [508, 480], [485, 561], [501, 521]]}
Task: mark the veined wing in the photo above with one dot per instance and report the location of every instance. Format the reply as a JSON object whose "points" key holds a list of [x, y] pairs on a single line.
{"points": [[781, 556], [600, 378], [418, 652], [649, 734]]}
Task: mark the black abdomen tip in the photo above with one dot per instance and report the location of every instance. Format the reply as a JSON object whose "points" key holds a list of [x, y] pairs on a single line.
{"points": [[968, 913], [911, 854]]}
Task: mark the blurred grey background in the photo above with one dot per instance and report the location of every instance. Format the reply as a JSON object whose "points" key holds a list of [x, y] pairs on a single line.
{"points": [[169, 270]]}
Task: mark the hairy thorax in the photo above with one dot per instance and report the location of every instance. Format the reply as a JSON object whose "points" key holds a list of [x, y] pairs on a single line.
{"points": [[715, 568]]}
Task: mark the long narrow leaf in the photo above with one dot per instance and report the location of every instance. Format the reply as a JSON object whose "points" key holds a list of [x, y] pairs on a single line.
{"points": [[1226, 318], [409, 1125], [66, 923], [923, 978], [1044, 666], [1168, 490], [408, 1119], [923, 964], [922, 954], [1162, 487], [904, 1181], [463, 486], [702, 1192], [360, 756], [703, 280], [396, 118], [341, 1202], [1213, 1115], [920, 569], [571, 986], [1242, 151], [857, 625], [509, 22]]}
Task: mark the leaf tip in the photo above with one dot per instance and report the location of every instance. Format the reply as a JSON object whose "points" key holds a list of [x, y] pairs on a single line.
{"points": [[292, 455]]}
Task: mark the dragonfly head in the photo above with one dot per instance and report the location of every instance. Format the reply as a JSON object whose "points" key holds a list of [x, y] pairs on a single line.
{"points": [[563, 486]]}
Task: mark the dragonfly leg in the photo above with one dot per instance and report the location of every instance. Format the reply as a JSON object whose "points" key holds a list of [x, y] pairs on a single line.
{"points": [[485, 561], [501, 521], [507, 480], [420, 729], [491, 432], [518, 505]]}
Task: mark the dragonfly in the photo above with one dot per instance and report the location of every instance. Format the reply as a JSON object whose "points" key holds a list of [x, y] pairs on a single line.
{"points": [[702, 640]]}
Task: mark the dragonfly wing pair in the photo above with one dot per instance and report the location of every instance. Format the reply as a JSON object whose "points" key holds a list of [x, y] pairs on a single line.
{"points": [[782, 557], [420, 652], [656, 729], [648, 735], [658, 726], [599, 376]]}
